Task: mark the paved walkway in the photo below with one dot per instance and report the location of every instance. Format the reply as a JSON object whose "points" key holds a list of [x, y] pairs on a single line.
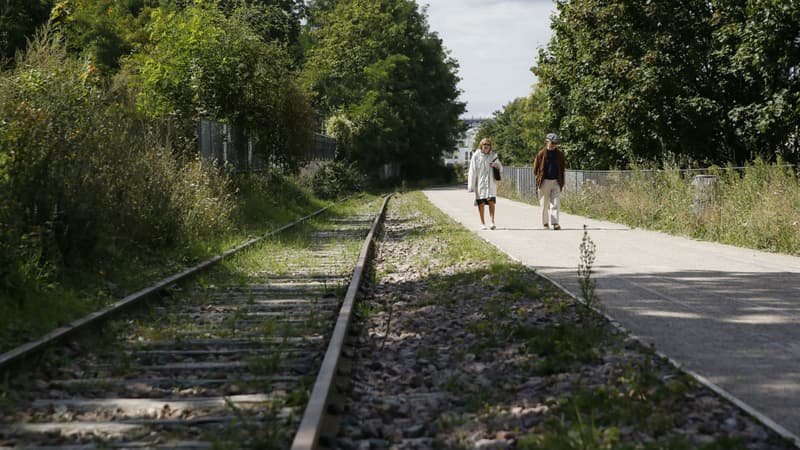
{"points": [[730, 315]]}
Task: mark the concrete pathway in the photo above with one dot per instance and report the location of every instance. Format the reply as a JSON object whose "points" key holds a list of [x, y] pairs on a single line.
{"points": [[727, 314]]}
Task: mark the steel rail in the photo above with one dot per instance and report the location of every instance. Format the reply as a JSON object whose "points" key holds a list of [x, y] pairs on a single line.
{"points": [[313, 418], [32, 347]]}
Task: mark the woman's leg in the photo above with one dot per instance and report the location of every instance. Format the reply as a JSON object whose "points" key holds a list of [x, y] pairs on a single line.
{"points": [[481, 207], [491, 211]]}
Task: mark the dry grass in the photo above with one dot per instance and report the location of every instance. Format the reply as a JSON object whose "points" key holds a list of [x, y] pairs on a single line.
{"points": [[755, 207]]}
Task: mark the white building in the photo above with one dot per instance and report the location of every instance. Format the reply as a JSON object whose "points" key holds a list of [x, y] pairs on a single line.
{"points": [[461, 155]]}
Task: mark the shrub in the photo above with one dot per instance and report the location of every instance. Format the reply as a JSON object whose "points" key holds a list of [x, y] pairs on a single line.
{"points": [[337, 179], [82, 176]]}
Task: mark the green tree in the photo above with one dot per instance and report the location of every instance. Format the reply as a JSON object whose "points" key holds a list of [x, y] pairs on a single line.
{"points": [[19, 19], [706, 82], [106, 30], [629, 81], [277, 21], [757, 56], [202, 63], [518, 131], [384, 79], [102, 30]]}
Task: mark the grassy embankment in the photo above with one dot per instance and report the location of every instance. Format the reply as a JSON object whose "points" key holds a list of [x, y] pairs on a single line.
{"points": [[99, 198], [756, 207], [259, 204]]}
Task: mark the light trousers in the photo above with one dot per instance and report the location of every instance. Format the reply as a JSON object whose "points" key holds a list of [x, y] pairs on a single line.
{"points": [[549, 194]]}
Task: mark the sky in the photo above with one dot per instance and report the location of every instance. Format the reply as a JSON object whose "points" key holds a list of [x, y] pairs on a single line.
{"points": [[495, 42]]}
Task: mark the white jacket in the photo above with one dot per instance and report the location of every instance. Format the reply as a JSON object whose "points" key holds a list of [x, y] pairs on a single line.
{"points": [[480, 179]]}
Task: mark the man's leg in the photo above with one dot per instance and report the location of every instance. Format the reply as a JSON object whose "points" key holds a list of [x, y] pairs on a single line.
{"points": [[555, 203], [544, 202]]}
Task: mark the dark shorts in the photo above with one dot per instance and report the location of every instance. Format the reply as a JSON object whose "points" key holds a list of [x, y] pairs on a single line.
{"points": [[485, 201]]}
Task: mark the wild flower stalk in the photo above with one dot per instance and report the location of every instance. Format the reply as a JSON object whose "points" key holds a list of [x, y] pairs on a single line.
{"points": [[587, 255]]}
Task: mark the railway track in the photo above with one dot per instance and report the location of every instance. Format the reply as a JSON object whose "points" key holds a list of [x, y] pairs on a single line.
{"points": [[227, 360]]}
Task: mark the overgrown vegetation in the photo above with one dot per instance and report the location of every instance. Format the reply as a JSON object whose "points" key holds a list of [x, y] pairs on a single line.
{"points": [[83, 181], [337, 179], [52, 298], [755, 207], [94, 201], [98, 130]]}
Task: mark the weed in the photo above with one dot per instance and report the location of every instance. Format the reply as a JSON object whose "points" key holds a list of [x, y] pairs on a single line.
{"points": [[587, 284], [561, 346], [248, 432], [265, 365], [388, 308], [735, 215], [477, 402], [299, 396]]}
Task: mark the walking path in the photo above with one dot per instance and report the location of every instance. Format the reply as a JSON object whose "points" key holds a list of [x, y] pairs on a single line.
{"points": [[727, 314]]}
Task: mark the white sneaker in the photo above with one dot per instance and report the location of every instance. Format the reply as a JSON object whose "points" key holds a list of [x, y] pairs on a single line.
{"points": [[492, 227], [483, 226]]}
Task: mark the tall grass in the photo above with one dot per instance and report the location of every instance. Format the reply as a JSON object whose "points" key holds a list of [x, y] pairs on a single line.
{"points": [[757, 206], [82, 174]]}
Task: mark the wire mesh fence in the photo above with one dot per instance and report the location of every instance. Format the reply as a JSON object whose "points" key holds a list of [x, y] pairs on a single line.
{"points": [[230, 146], [524, 183]]}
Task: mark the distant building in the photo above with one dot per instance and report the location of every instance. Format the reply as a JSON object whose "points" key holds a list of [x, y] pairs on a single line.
{"points": [[474, 122], [462, 153]]}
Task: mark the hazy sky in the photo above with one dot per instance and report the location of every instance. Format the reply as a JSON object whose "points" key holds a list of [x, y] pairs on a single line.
{"points": [[495, 43]]}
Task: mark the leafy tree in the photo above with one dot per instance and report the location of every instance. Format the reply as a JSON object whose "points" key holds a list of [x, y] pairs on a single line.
{"points": [[317, 9], [757, 56], [201, 63], [376, 67], [106, 30], [629, 81], [518, 131], [711, 82], [103, 30], [273, 20], [19, 19]]}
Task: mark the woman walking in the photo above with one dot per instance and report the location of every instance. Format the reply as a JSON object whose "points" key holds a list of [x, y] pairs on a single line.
{"points": [[481, 179]]}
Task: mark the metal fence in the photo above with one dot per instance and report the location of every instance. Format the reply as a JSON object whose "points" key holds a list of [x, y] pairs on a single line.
{"points": [[522, 180], [524, 183], [230, 146], [323, 148]]}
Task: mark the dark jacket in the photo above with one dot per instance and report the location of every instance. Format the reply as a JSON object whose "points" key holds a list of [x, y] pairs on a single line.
{"points": [[538, 166]]}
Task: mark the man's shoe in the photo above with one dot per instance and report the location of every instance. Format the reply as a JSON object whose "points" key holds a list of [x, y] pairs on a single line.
{"points": [[556, 227]]}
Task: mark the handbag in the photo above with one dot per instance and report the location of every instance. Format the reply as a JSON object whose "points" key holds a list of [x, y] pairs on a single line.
{"points": [[496, 171]]}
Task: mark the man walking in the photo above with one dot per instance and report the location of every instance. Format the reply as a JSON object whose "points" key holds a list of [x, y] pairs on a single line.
{"points": [[548, 168]]}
